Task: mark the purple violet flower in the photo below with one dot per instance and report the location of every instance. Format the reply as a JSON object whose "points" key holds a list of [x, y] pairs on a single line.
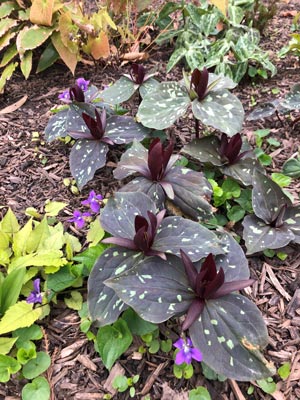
{"points": [[94, 201], [65, 96], [186, 352], [79, 218], [83, 84], [35, 296]]}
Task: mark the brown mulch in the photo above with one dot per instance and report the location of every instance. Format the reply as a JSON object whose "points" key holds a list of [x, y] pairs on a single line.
{"points": [[32, 171]]}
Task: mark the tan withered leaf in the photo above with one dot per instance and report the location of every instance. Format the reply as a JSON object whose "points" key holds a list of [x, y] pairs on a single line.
{"points": [[99, 46], [41, 12], [68, 30], [13, 107], [69, 58]]}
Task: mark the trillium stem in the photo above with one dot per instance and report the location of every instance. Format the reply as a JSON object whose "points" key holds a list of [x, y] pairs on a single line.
{"points": [[197, 128]]}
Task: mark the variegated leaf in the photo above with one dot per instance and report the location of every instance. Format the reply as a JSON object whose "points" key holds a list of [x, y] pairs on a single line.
{"points": [[195, 240], [243, 170], [56, 126], [161, 108], [147, 86], [85, 158], [221, 110], [292, 99], [292, 221], [32, 37], [104, 304], [124, 130], [205, 150], [117, 217], [232, 327], [267, 198], [120, 91], [262, 111], [259, 236]]}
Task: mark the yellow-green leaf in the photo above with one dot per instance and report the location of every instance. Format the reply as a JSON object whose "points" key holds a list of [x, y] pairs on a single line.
{"points": [[221, 4], [101, 20], [9, 54], [75, 301], [7, 7], [5, 39], [43, 258], [4, 256], [54, 207], [20, 315], [6, 74], [6, 24], [73, 245], [32, 212], [9, 224], [69, 58], [6, 344], [26, 63], [4, 240], [41, 12], [37, 237], [32, 37], [68, 31], [20, 239], [95, 232]]}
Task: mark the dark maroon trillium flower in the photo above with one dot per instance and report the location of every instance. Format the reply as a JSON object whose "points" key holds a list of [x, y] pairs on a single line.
{"points": [[96, 128], [144, 236], [199, 83], [158, 159], [76, 94], [230, 148], [207, 284], [137, 74]]}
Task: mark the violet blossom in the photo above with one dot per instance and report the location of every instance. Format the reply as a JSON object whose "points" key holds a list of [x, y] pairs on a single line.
{"points": [[94, 201], [83, 84], [186, 351], [35, 296], [79, 218]]}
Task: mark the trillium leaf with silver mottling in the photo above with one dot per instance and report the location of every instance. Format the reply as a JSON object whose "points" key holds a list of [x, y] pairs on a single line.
{"points": [[56, 126], [104, 304]]}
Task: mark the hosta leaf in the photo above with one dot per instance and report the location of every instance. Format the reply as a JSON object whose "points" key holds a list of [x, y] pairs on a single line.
{"points": [[262, 111], [120, 91], [243, 170], [26, 63], [192, 192], [161, 108], [221, 110], [117, 217], [5, 39], [259, 236], [177, 233], [7, 7], [32, 37], [233, 328], [6, 74], [205, 150], [85, 158], [124, 130], [292, 99], [6, 24], [104, 304], [292, 221], [267, 198], [147, 86], [56, 126], [48, 58], [8, 55], [154, 288], [69, 58], [41, 12]]}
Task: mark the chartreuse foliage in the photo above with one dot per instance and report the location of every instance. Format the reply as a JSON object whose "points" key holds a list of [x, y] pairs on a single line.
{"points": [[206, 94], [275, 223], [161, 179], [139, 232], [94, 129], [219, 320], [233, 157], [206, 37], [62, 28]]}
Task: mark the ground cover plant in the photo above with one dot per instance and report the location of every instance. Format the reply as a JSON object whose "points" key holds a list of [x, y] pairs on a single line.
{"points": [[169, 286]]}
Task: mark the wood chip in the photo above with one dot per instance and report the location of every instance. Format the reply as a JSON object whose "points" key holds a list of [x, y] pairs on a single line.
{"points": [[67, 351], [170, 394], [88, 396], [116, 370], [15, 106], [275, 282], [294, 304], [152, 378], [236, 390], [84, 360]]}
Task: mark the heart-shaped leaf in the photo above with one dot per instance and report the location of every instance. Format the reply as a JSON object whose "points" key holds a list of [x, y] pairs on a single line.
{"points": [[243, 170], [162, 107], [205, 150], [120, 91], [85, 158], [148, 86], [103, 303]]}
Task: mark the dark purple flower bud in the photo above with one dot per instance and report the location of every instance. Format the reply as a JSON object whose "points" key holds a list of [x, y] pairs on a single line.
{"points": [[35, 296], [96, 126], [158, 158], [186, 352], [207, 284], [76, 94], [199, 83], [230, 149], [137, 73]]}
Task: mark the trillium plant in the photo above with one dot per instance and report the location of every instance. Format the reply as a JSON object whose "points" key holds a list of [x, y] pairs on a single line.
{"points": [[230, 155], [226, 326], [206, 93], [94, 129], [161, 179], [138, 231], [275, 223], [137, 80]]}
